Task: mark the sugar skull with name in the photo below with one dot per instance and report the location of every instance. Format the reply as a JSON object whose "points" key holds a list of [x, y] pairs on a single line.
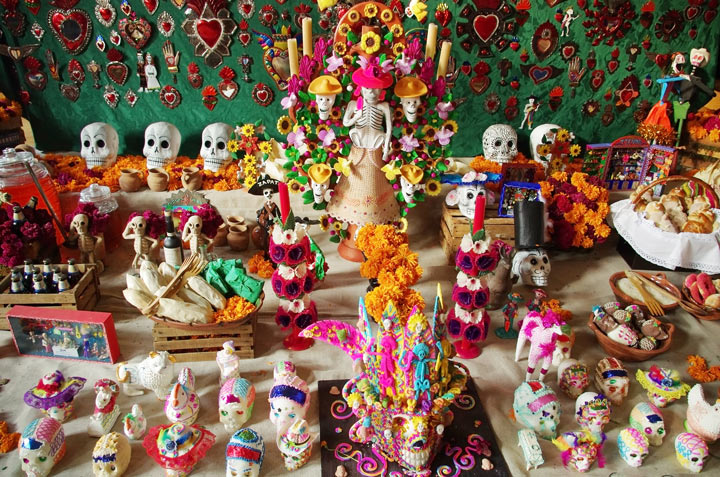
{"points": [[573, 377], [612, 379], [244, 454], [691, 451], [235, 403], [633, 446], [42, 445], [592, 411], [581, 449], [647, 418], [536, 406], [663, 385]]}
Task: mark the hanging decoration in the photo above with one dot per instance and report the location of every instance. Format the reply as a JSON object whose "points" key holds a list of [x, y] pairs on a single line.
{"points": [[70, 26], [194, 77], [111, 96], [100, 43], [246, 8], [131, 98], [209, 95], [115, 38], [13, 19], [125, 8], [613, 63], [511, 108], [590, 107], [76, 72], [135, 30], [556, 96], [33, 6], [227, 87], [116, 70], [52, 64], [151, 6], [485, 24], [170, 97], [70, 91], [481, 81], [610, 22], [95, 69], [246, 62], [608, 116], [37, 31], [268, 16], [627, 92], [17, 53], [275, 55], [244, 36], [262, 95], [178, 3], [545, 40], [105, 13], [165, 24], [632, 51], [492, 102], [597, 78], [34, 76], [172, 59], [540, 74], [209, 29], [504, 66], [646, 14], [443, 15], [669, 26], [568, 50]]}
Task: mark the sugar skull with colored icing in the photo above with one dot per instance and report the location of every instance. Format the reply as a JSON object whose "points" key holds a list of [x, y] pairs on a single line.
{"points": [[296, 444], [536, 406], [183, 404], [612, 379], [592, 411], [41, 446], [244, 454], [572, 377], [691, 451], [289, 397], [235, 403], [633, 446], [111, 455], [581, 449], [647, 418], [663, 385]]}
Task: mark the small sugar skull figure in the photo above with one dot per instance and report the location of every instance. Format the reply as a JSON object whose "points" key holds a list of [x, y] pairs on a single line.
{"points": [[111, 455], [633, 446], [410, 90], [296, 444], [320, 175], [325, 88], [289, 397], [612, 379], [592, 411], [228, 362], [177, 448], [134, 423], [663, 386], [235, 403], [41, 446], [580, 449], [536, 406], [106, 410], [468, 188], [183, 404], [54, 395], [410, 182], [244, 454], [500, 143], [573, 377], [691, 451], [648, 419]]}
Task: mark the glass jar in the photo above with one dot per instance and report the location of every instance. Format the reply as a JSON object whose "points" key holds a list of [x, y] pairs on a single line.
{"points": [[102, 198]]}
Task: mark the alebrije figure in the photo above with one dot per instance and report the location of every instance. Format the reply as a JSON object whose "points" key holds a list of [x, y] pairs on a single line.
{"points": [[702, 418], [42, 445], [573, 377], [296, 444], [228, 362], [663, 386], [581, 449], [54, 395], [235, 403], [289, 398], [111, 455], [183, 404], [510, 312], [647, 418], [536, 406], [106, 410], [612, 379], [244, 454], [177, 448], [691, 451], [542, 330], [592, 411], [418, 359], [633, 446], [134, 423]]}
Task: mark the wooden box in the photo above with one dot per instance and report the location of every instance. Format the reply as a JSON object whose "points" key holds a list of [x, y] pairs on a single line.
{"points": [[453, 225], [203, 344], [83, 296]]}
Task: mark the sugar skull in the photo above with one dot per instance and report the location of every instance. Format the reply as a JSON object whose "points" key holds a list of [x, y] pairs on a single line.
{"points": [[99, 145], [296, 444], [410, 181], [111, 455], [542, 134], [183, 404], [691, 451], [612, 379], [464, 196], [289, 397], [162, 143], [177, 447], [54, 394], [244, 454], [663, 386], [647, 418], [580, 449], [536, 406], [41, 446], [633, 446], [500, 143], [573, 377], [325, 88], [235, 403], [592, 411], [320, 175], [214, 149]]}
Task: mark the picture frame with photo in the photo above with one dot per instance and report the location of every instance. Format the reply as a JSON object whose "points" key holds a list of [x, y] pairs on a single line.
{"points": [[518, 173], [514, 191]]}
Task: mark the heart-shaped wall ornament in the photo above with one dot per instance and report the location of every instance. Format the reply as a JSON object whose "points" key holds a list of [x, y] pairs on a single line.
{"points": [[590, 108], [227, 87], [568, 50], [70, 91], [131, 97], [170, 97], [76, 72], [135, 31], [72, 28], [37, 31], [210, 32], [613, 65], [479, 84], [492, 103], [262, 94], [36, 79], [540, 74], [545, 40], [691, 12], [627, 92], [151, 6], [165, 24], [597, 78], [277, 64], [112, 98], [669, 26], [484, 23], [709, 16], [15, 21], [246, 8], [105, 13]]}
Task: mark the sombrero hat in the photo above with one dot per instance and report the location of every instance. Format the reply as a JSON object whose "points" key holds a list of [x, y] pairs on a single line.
{"points": [[320, 173], [412, 173], [410, 87], [372, 77], [325, 84]]}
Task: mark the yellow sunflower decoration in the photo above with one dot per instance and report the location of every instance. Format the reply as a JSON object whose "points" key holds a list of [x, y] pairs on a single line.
{"points": [[284, 124], [340, 48], [265, 147], [433, 187], [248, 130], [370, 42], [324, 222], [370, 10], [575, 150], [233, 145], [543, 149], [562, 135]]}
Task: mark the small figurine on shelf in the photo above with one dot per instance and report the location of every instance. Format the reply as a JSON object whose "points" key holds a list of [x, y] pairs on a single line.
{"points": [[192, 233], [535, 405], [154, 373], [87, 244], [265, 186], [529, 112], [42, 445], [581, 449], [633, 446], [592, 411], [296, 444], [134, 423], [244, 454], [542, 330], [691, 451], [235, 403], [289, 397], [663, 385], [612, 379], [177, 448], [54, 395], [106, 411], [510, 312], [143, 244], [228, 362], [702, 418], [647, 418], [183, 404], [537, 301], [111, 455]]}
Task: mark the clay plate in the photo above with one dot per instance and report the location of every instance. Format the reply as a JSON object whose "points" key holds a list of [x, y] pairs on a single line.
{"points": [[626, 353], [660, 279]]}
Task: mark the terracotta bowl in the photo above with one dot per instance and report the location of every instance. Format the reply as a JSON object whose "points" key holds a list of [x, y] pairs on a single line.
{"points": [[626, 353], [711, 314], [660, 279]]}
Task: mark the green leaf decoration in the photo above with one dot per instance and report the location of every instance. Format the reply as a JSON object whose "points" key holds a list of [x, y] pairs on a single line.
{"points": [[302, 179], [320, 206], [352, 37], [335, 238], [304, 97], [479, 235]]}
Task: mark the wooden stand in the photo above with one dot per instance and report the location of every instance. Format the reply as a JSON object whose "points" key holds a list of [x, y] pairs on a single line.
{"points": [[203, 344], [453, 225]]}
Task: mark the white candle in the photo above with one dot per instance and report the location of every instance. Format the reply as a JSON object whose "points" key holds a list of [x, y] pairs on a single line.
{"points": [[444, 58], [431, 43], [293, 56], [307, 36]]}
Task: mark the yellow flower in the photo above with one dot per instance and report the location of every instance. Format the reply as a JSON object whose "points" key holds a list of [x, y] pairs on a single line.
{"points": [[321, 127], [398, 48], [428, 133], [250, 160], [344, 29], [370, 42], [450, 125], [294, 186], [284, 124], [562, 135], [340, 47], [342, 166], [543, 149], [248, 130], [265, 147], [336, 113], [397, 30], [233, 145], [391, 172], [370, 10], [386, 15], [249, 182], [714, 135], [337, 225], [353, 16], [575, 150], [556, 164], [433, 187], [324, 222]]}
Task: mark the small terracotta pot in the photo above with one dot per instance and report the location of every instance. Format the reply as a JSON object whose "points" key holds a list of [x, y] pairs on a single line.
{"points": [[220, 239], [236, 220], [130, 180], [192, 178], [158, 179], [238, 237]]}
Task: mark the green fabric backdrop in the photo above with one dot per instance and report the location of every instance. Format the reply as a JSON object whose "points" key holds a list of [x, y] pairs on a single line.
{"points": [[57, 122]]}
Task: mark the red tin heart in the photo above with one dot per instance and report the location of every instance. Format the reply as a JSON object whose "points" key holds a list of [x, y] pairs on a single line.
{"points": [[568, 50], [209, 31], [485, 26], [70, 91], [646, 19], [135, 31], [545, 40], [170, 97], [691, 11], [613, 65], [72, 28], [150, 5], [117, 72], [479, 84], [262, 94], [597, 79], [709, 16]]}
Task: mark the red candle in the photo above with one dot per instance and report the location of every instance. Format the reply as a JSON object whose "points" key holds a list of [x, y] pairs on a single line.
{"points": [[479, 220], [284, 201]]}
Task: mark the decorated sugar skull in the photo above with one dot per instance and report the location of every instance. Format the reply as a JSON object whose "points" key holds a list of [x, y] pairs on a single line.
{"points": [[633, 446], [500, 143], [289, 397], [592, 411], [410, 90], [162, 143], [410, 181], [536, 406], [691, 451], [177, 448], [468, 188], [612, 379], [244, 454], [325, 88], [565, 343], [647, 418], [320, 175], [99, 145], [581, 449], [532, 266], [214, 149], [41, 446], [235, 403], [573, 377], [296, 444], [542, 134], [663, 385], [111, 455], [183, 404]]}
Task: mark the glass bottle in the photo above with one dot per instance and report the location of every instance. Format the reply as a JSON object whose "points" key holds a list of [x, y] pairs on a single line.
{"points": [[102, 198], [172, 245], [73, 274]]}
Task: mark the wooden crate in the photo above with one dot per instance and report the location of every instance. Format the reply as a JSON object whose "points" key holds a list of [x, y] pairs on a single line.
{"points": [[453, 225], [203, 344], [83, 296]]}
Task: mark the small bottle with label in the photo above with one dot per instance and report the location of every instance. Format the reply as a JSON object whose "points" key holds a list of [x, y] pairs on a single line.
{"points": [[55, 279], [63, 284], [39, 283], [73, 274], [47, 272], [18, 219], [172, 245], [28, 272], [16, 285]]}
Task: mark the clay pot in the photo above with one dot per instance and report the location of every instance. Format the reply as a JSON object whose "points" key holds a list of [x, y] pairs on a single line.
{"points": [[158, 179], [238, 237], [220, 239], [130, 180], [192, 178], [236, 220]]}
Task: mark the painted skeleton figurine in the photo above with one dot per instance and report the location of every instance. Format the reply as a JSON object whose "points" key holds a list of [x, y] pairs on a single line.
{"points": [[87, 243], [143, 245], [568, 17], [192, 232]]}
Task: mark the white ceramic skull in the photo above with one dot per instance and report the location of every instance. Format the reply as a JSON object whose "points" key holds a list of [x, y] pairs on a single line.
{"points": [[408, 189], [500, 143], [41, 446], [99, 145], [162, 143], [536, 406], [214, 149], [111, 455], [532, 266], [319, 189], [546, 131], [464, 195], [410, 107], [244, 454], [235, 403], [325, 103], [647, 418]]}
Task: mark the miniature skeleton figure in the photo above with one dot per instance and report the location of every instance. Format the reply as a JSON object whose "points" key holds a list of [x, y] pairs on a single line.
{"points": [[568, 18], [87, 244], [500, 143], [151, 74], [106, 411], [192, 232], [99, 145], [320, 175], [367, 115], [143, 245], [532, 266], [529, 112], [141, 72], [410, 181]]}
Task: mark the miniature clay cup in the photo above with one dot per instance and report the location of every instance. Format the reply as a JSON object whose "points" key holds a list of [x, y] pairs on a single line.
{"points": [[158, 179], [130, 180], [192, 178], [236, 220], [220, 239], [238, 237]]}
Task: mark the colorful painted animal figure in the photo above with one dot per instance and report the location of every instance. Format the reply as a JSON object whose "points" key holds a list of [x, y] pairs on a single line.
{"points": [[183, 404], [542, 330]]}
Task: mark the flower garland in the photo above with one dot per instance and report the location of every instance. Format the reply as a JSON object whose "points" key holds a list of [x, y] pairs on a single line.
{"points": [[16, 244], [249, 151], [9, 109], [211, 219], [577, 205]]}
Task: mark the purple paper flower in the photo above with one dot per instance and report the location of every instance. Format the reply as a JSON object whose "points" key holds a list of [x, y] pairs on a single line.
{"points": [[427, 71], [409, 143], [297, 138], [464, 261], [277, 253], [288, 101], [292, 290], [486, 262], [443, 136], [333, 63], [277, 284], [282, 319], [481, 298], [327, 136], [308, 284], [296, 254], [443, 109]]}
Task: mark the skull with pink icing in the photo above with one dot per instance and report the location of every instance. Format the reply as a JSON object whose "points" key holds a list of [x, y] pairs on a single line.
{"points": [[633, 446], [592, 411], [536, 406], [581, 449], [41, 446], [691, 451], [235, 403], [647, 418]]}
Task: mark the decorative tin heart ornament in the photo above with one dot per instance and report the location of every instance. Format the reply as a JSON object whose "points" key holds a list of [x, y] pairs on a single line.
{"points": [[105, 13], [111, 96], [170, 97], [165, 24], [135, 31], [70, 91], [72, 28], [545, 40]]}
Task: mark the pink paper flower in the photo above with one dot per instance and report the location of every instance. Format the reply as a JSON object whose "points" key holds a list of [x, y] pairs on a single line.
{"points": [[327, 136], [333, 63], [443, 136], [297, 138], [288, 101], [409, 143], [443, 109]]}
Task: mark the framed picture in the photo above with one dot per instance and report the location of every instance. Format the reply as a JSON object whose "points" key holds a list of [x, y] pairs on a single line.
{"points": [[514, 191], [518, 172], [64, 334]]}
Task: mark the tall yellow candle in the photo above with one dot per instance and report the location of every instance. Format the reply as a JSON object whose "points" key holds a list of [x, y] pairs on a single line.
{"points": [[444, 58], [431, 43], [307, 36], [293, 56]]}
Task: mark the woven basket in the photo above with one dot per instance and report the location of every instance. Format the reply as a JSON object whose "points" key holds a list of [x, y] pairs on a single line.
{"points": [[707, 188], [208, 327]]}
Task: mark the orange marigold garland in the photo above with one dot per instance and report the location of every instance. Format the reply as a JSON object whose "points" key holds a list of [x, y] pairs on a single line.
{"points": [[260, 266], [700, 371], [236, 309]]}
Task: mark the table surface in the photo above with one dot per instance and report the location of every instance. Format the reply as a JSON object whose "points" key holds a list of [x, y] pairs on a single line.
{"points": [[579, 280]]}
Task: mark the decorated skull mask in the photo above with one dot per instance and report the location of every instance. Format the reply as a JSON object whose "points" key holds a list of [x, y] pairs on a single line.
{"points": [[410, 181], [99, 145], [111, 455], [592, 411], [410, 108], [691, 451], [162, 143], [536, 406], [244, 454], [500, 143], [532, 266], [573, 377], [580, 449], [42, 445], [647, 418], [325, 103], [214, 149], [633, 446], [546, 132], [235, 403], [612, 379]]}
